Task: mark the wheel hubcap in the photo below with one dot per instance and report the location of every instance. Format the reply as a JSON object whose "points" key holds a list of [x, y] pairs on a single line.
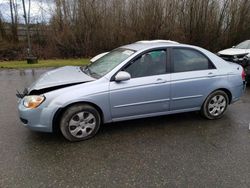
{"points": [[82, 124], [217, 105]]}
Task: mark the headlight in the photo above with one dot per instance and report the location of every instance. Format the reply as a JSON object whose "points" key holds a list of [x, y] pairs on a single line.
{"points": [[33, 101]]}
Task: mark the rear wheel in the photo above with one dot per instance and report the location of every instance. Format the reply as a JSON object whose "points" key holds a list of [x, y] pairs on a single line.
{"points": [[80, 122], [215, 105]]}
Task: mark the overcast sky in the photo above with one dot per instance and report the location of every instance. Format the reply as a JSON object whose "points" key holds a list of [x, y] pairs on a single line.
{"points": [[40, 10]]}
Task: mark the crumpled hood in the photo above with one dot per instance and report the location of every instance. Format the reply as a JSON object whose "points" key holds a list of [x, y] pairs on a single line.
{"points": [[59, 77], [234, 51]]}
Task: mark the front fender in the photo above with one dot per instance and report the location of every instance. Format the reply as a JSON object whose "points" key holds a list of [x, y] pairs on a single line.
{"points": [[97, 95]]}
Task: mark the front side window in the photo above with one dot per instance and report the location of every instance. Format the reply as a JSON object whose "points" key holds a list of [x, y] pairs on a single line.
{"points": [[151, 63], [189, 60], [108, 62]]}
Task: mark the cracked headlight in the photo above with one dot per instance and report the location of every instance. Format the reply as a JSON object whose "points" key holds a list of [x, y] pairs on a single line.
{"points": [[33, 101]]}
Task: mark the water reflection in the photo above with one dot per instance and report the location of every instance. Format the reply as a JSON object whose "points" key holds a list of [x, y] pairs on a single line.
{"points": [[20, 78]]}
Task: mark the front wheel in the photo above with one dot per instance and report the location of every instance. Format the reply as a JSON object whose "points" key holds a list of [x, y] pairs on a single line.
{"points": [[215, 105], [80, 122]]}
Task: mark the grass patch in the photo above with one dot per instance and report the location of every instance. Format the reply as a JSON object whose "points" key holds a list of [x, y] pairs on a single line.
{"points": [[43, 63]]}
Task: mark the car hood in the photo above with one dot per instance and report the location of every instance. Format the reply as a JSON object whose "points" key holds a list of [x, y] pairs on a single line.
{"points": [[234, 51], [60, 77]]}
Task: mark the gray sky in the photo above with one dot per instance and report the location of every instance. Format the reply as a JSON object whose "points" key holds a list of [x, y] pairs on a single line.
{"points": [[40, 10]]}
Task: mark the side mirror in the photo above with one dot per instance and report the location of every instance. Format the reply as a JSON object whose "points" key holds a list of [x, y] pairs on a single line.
{"points": [[122, 76]]}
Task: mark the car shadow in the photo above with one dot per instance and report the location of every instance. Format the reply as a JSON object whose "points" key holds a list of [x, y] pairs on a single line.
{"points": [[177, 122]]}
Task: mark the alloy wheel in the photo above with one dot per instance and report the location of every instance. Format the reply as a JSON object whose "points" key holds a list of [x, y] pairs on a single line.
{"points": [[217, 105]]}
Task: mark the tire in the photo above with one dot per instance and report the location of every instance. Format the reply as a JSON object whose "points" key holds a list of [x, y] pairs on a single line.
{"points": [[215, 105], [80, 122], [247, 70]]}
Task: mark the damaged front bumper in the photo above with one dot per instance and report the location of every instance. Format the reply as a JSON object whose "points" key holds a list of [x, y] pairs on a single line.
{"points": [[37, 119]]}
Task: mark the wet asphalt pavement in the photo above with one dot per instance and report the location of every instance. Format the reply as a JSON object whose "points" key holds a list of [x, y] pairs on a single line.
{"points": [[181, 150]]}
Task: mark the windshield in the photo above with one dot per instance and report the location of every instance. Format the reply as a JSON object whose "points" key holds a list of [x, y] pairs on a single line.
{"points": [[244, 45], [108, 62]]}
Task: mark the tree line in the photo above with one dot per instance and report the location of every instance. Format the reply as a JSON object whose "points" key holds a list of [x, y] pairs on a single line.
{"points": [[83, 28]]}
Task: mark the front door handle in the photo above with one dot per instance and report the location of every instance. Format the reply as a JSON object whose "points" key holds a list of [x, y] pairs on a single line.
{"points": [[211, 74], [160, 80]]}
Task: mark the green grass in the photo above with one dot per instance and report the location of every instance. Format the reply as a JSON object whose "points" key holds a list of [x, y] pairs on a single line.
{"points": [[43, 63]]}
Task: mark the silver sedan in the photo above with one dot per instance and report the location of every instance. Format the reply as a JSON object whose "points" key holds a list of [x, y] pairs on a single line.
{"points": [[143, 79]]}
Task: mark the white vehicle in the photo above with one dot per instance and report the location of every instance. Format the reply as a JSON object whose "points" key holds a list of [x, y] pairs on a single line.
{"points": [[238, 54], [242, 49]]}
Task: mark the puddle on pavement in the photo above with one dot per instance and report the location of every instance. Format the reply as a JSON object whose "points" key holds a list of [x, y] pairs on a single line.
{"points": [[14, 79]]}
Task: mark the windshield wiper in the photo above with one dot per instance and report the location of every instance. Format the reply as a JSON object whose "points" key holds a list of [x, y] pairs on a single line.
{"points": [[85, 70], [89, 72]]}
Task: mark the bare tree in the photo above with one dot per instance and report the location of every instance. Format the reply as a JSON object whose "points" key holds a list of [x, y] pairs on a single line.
{"points": [[82, 28], [14, 19], [2, 28]]}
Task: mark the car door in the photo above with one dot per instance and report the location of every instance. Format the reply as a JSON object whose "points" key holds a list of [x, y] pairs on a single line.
{"points": [[148, 90], [192, 75]]}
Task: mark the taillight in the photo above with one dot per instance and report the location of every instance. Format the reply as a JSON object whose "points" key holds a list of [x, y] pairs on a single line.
{"points": [[243, 75]]}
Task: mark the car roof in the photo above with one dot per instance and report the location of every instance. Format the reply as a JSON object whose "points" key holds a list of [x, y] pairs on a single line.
{"points": [[139, 45]]}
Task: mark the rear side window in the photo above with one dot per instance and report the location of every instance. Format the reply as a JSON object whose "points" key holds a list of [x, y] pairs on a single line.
{"points": [[189, 60]]}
